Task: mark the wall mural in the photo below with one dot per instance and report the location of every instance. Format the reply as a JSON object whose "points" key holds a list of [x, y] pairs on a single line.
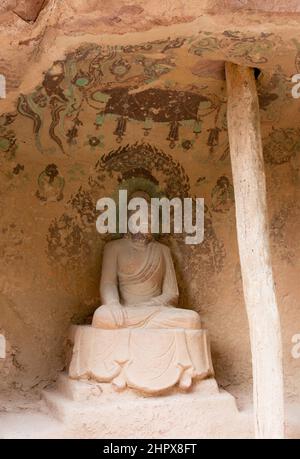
{"points": [[72, 238], [283, 228], [8, 141], [151, 115], [253, 49], [50, 184], [116, 84], [282, 145]]}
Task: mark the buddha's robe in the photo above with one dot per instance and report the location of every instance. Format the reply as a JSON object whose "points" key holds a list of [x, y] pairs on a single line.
{"points": [[139, 289]]}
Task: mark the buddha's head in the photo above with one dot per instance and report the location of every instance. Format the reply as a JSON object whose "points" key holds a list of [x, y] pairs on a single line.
{"points": [[145, 218], [141, 194]]}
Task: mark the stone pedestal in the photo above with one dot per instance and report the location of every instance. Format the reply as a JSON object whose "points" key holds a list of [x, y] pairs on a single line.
{"points": [[150, 361], [88, 409], [170, 371]]}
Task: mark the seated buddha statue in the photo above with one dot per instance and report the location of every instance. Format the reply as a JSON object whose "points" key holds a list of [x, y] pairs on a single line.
{"points": [[138, 287], [139, 338]]}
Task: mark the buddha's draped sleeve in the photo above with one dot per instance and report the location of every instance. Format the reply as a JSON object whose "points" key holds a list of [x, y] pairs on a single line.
{"points": [[170, 291], [109, 292]]}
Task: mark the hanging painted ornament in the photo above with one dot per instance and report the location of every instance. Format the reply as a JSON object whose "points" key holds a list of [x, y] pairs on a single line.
{"points": [[148, 124], [100, 117], [197, 127], [120, 128], [173, 133], [213, 138]]}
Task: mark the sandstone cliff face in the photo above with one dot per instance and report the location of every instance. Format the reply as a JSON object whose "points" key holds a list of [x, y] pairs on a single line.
{"points": [[26, 10]]}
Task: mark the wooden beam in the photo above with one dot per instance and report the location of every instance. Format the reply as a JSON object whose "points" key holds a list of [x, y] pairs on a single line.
{"points": [[254, 250]]}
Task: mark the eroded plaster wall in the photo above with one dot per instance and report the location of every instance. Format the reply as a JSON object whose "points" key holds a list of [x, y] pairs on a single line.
{"points": [[150, 116]]}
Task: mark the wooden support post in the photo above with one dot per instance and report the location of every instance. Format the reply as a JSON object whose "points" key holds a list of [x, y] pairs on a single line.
{"points": [[254, 249]]}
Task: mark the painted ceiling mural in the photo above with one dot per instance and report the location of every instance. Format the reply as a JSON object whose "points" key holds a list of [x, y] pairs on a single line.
{"points": [[141, 83], [120, 85], [149, 116]]}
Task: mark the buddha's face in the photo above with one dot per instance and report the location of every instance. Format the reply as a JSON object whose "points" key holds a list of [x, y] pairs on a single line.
{"points": [[145, 227], [144, 224]]}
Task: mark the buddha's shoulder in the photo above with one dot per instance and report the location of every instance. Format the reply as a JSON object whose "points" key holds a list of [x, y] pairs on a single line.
{"points": [[164, 248], [115, 244]]}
